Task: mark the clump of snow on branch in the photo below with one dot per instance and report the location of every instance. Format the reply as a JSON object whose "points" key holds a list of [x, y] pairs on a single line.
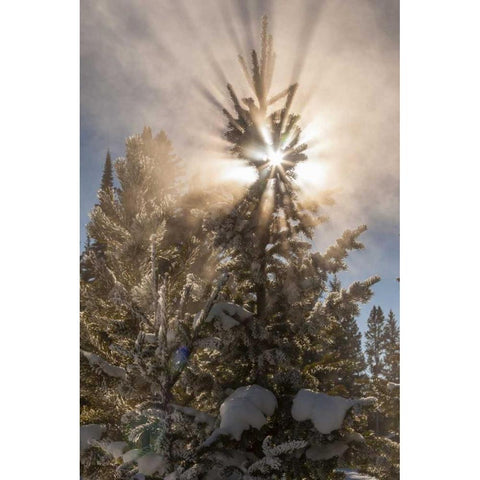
{"points": [[114, 449], [198, 416], [131, 455], [229, 314], [391, 386], [354, 437], [151, 463], [327, 451], [246, 407], [326, 412], [100, 364], [352, 475], [90, 433]]}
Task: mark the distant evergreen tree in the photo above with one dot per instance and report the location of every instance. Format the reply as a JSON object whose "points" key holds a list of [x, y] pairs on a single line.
{"points": [[107, 177], [86, 274], [391, 403], [354, 365], [106, 200], [374, 341], [381, 457], [391, 346]]}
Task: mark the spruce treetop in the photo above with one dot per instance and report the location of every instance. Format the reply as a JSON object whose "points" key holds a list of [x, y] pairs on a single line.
{"points": [[266, 137], [107, 177], [375, 341], [391, 344]]}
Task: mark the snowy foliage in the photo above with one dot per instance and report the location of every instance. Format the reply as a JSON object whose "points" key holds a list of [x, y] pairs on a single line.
{"points": [[89, 433], [131, 455], [325, 452], [198, 416], [392, 386], [354, 437], [104, 366], [353, 475], [272, 460], [326, 412], [229, 314], [151, 463], [246, 407], [114, 449]]}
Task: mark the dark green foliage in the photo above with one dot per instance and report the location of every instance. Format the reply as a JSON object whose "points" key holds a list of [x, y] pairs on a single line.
{"points": [[107, 177], [374, 341], [381, 458], [341, 368], [391, 345]]}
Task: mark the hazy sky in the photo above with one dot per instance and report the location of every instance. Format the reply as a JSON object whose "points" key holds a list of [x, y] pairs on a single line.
{"points": [[149, 62]]}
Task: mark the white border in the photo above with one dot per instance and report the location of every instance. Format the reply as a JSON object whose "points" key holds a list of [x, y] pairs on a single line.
{"points": [[39, 239], [440, 84]]}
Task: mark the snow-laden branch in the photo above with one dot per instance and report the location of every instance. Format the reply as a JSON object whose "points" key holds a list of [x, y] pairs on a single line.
{"points": [[326, 412], [90, 433], [392, 386], [99, 363], [271, 461], [246, 407], [152, 463], [198, 416], [229, 314], [114, 449], [203, 314], [327, 451]]}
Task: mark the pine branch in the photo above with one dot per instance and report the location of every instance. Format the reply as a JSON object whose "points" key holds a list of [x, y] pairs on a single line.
{"points": [[104, 366], [196, 327]]}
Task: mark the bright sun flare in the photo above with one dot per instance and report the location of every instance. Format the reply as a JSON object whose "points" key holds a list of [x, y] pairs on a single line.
{"points": [[275, 158]]}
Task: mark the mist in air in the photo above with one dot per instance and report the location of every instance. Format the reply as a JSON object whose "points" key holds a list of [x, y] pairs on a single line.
{"points": [[166, 64]]}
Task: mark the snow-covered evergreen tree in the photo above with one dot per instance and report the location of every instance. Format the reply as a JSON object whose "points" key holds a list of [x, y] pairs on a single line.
{"points": [[264, 243], [203, 351], [143, 270]]}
